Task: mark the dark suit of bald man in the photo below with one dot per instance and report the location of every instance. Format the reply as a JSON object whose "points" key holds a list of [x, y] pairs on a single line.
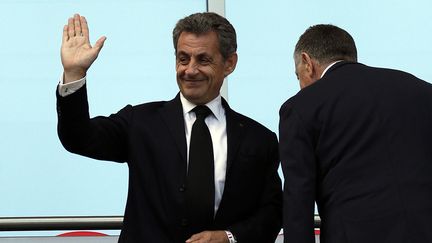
{"points": [[358, 142]]}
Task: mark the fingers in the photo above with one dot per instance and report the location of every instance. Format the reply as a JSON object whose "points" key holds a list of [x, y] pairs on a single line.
{"points": [[209, 236], [99, 43], [65, 34], [77, 25], [84, 28], [194, 238], [202, 237], [71, 27]]}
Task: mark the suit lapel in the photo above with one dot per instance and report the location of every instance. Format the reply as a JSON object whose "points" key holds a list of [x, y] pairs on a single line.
{"points": [[235, 128], [172, 114], [235, 132]]}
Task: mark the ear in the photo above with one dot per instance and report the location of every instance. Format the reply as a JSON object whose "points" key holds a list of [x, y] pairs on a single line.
{"points": [[307, 69], [308, 64], [230, 64]]}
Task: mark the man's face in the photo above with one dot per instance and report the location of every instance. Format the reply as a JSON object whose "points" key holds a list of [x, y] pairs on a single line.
{"points": [[200, 66]]}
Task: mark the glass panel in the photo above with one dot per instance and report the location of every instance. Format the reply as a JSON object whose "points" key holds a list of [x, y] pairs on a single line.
{"points": [[387, 33], [38, 177]]}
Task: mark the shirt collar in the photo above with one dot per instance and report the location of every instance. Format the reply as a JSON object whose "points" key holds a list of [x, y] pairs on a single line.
{"points": [[329, 66], [215, 106]]}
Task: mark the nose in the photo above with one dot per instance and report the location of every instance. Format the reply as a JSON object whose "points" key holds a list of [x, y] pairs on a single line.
{"points": [[191, 68]]}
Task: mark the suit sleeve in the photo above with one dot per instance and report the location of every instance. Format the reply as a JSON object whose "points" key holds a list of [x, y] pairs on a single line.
{"points": [[265, 224], [103, 138], [299, 169]]}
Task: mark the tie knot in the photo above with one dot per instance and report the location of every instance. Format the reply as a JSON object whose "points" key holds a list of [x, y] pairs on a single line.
{"points": [[201, 111]]}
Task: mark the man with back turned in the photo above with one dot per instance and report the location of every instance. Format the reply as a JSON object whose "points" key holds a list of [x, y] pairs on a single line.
{"points": [[357, 140], [198, 171]]}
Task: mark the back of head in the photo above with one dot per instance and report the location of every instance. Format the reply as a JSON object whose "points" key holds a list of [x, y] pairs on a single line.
{"points": [[201, 23], [326, 43]]}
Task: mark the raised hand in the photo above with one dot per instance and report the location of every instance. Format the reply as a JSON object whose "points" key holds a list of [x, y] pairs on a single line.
{"points": [[77, 54]]}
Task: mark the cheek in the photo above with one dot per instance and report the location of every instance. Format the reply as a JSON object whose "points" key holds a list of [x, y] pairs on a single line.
{"points": [[216, 73], [179, 69], [305, 81]]}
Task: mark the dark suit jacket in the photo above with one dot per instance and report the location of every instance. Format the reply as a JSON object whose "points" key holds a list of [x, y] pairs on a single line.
{"points": [[359, 142], [151, 139]]}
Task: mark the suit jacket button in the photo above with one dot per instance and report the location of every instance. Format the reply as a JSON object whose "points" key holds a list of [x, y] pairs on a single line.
{"points": [[184, 222], [182, 188]]}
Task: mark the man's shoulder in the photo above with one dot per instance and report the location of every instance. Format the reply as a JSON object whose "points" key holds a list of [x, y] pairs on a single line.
{"points": [[154, 106], [245, 121], [149, 106], [149, 110]]}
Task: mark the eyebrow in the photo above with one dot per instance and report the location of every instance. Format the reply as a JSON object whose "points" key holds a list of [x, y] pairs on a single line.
{"points": [[200, 54], [180, 53]]}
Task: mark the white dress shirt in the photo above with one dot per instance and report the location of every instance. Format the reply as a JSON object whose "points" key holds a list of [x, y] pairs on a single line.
{"points": [[328, 67], [216, 123], [70, 88]]}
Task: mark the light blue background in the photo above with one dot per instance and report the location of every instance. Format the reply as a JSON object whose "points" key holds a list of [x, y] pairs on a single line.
{"points": [[388, 33], [39, 178]]}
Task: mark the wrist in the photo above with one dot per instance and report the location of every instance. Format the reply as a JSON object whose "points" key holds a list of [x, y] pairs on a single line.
{"points": [[70, 76], [231, 237]]}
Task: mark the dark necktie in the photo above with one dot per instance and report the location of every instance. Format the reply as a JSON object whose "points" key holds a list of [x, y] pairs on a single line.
{"points": [[200, 188]]}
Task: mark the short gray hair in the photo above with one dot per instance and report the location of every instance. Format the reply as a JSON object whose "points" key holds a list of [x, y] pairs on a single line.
{"points": [[201, 23], [326, 43]]}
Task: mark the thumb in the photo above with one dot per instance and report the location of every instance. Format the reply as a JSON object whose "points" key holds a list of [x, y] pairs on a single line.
{"points": [[99, 43]]}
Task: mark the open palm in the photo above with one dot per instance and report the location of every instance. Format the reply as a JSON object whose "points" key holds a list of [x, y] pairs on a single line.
{"points": [[77, 54]]}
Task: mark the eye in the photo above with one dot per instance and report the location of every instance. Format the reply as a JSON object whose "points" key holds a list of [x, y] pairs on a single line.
{"points": [[182, 60], [205, 61]]}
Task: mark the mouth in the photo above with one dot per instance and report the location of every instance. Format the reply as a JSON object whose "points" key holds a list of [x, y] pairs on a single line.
{"points": [[193, 82]]}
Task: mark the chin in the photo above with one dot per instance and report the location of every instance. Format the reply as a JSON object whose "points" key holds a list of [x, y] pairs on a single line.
{"points": [[191, 97]]}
